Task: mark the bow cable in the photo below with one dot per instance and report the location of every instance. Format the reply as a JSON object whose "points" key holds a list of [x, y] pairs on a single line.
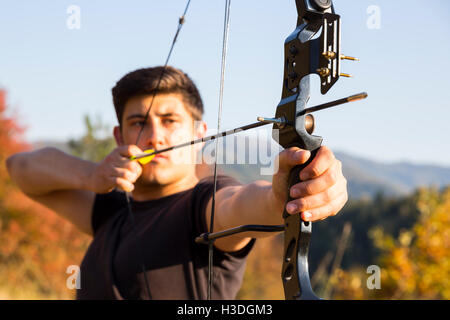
{"points": [[127, 194], [226, 25]]}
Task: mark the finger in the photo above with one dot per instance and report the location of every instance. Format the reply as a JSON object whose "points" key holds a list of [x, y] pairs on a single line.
{"points": [[126, 163], [291, 157], [318, 165], [309, 187], [123, 184], [124, 174], [129, 150], [331, 209], [318, 200]]}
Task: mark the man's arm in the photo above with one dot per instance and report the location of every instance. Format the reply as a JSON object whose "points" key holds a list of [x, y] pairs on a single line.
{"points": [[56, 180], [67, 184], [322, 193]]}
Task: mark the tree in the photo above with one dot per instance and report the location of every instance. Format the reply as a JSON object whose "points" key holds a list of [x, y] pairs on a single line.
{"points": [[92, 146], [415, 264], [37, 245]]}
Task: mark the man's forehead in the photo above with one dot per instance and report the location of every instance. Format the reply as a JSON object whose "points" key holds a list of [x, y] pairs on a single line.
{"points": [[161, 104]]}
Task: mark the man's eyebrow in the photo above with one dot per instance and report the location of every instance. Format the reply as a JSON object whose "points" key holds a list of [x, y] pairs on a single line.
{"points": [[142, 116], [168, 114], [136, 115]]}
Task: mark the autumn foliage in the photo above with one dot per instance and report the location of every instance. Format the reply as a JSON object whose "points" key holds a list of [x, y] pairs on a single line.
{"points": [[37, 246], [415, 264]]}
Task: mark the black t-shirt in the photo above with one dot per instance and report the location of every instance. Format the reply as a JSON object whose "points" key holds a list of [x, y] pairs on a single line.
{"points": [[176, 266]]}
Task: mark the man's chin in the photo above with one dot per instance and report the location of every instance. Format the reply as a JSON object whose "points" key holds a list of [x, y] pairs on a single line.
{"points": [[155, 177]]}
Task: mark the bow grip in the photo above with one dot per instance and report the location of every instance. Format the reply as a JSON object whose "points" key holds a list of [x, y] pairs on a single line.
{"points": [[297, 285]]}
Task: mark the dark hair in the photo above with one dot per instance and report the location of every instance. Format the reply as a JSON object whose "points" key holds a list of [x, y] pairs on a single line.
{"points": [[145, 81]]}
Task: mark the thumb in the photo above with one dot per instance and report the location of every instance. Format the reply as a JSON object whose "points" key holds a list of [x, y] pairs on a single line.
{"points": [[292, 157]]}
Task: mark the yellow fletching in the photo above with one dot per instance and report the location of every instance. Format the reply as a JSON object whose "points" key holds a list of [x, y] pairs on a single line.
{"points": [[145, 160]]}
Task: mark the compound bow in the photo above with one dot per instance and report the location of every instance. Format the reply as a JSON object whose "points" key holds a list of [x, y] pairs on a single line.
{"points": [[313, 48]]}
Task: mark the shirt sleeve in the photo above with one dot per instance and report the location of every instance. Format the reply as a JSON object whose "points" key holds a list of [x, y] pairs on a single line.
{"points": [[105, 206]]}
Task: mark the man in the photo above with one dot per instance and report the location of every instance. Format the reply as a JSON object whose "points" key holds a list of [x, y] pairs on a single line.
{"points": [[170, 205]]}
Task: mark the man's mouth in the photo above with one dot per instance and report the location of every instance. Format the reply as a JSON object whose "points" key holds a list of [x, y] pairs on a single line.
{"points": [[160, 156]]}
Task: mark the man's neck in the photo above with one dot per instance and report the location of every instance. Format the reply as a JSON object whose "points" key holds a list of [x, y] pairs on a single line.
{"points": [[156, 191]]}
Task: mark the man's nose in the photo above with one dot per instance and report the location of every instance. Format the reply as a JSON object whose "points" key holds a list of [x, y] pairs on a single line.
{"points": [[151, 134]]}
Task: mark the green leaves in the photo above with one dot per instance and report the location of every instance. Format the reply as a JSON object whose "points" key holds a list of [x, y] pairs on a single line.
{"points": [[96, 143]]}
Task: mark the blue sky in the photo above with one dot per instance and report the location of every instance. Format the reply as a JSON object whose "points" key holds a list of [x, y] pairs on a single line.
{"points": [[55, 75]]}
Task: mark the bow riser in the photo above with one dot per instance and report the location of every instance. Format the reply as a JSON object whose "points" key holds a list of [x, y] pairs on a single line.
{"points": [[313, 48]]}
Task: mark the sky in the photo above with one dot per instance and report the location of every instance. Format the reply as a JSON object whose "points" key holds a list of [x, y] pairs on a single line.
{"points": [[55, 73]]}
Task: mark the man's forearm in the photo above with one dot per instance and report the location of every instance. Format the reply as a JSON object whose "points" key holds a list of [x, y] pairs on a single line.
{"points": [[251, 204], [46, 170]]}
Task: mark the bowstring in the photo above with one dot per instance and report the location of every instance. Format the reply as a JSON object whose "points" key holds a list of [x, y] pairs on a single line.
{"points": [[127, 194], [226, 25]]}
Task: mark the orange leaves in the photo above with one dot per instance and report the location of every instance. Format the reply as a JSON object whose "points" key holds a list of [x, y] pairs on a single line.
{"points": [[11, 140], [416, 263], [37, 246]]}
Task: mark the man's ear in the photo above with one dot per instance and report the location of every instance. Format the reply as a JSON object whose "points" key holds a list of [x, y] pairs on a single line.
{"points": [[200, 128], [118, 136]]}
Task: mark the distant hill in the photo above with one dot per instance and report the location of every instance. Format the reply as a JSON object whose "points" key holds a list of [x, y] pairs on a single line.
{"points": [[365, 177]]}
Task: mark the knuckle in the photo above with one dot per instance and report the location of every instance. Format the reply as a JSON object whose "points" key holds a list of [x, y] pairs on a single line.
{"points": [[129, 176], [335, 211], [344, 182], [129, 149], [329, 211], [339, 164], [315, 171], [332, 177], [345, 198], [324, 149], [327, 152], [327, 196], [138, 169], [293, 192], [302, 203], [309, 188], [130, 165], [111, 168]]}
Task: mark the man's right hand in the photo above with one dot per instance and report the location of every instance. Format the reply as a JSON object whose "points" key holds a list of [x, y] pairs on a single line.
{"points": [[116, 171]]}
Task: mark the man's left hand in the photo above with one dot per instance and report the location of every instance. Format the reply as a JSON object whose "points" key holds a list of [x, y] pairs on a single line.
{"points": [[322, 191]]}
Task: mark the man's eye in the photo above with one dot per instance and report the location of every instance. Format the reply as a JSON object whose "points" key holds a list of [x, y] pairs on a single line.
{"points": [[139, 123], [168, 121]]}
